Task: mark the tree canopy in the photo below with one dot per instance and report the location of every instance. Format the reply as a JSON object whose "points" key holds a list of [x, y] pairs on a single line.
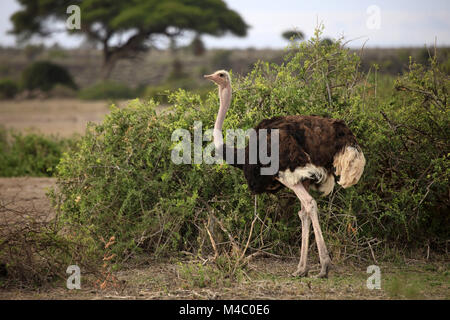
{"points": [[134, 21], [294, 35]]}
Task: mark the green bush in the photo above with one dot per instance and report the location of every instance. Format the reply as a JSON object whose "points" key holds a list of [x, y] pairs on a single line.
{"points": [[45, 75], [417, 158], [108, 90], [8, 89], [160, 94], [30, 154], [123, 183]]}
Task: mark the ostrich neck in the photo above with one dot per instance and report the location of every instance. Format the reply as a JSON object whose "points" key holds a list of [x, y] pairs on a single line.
{"points": [[225, 100]]}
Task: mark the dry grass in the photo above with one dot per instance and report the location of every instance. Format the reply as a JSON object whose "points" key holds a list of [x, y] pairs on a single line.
{"points": [[269, 279]]}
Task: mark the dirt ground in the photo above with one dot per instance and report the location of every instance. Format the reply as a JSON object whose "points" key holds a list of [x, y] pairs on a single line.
{"points": [[62, 117], [264, 278], [23, 197], [26, 192]]}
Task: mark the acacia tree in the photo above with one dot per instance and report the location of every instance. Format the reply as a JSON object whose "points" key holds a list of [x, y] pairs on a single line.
{"points": [[293, 35], [124, 28]]}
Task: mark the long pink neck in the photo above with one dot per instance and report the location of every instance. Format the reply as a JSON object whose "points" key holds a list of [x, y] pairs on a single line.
{"points": [[225, 100]]}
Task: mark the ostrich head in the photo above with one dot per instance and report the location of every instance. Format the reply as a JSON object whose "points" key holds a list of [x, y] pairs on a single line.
{"points": [[221, 78]]}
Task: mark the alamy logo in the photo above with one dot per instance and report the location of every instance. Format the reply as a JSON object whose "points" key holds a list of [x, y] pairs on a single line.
{"points": [[373, 22], [73, 22], [74, 280], [258, 151], [374, 281]]}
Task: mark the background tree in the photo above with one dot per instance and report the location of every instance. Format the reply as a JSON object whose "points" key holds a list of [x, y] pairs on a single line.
{"points": [[294, 35], [124, 28], [197, 46], [326, 42], [45, 75]]}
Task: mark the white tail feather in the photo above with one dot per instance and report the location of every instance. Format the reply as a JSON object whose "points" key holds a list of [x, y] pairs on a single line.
{"points": [[349, 164]]}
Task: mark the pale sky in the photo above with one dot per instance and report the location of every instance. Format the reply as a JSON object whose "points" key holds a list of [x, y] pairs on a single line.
{"points": [[401, 23]]}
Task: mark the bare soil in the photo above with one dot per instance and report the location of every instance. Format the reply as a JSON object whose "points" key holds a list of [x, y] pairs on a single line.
{"points": [[62, 117], [22, 198], [26, 192]]}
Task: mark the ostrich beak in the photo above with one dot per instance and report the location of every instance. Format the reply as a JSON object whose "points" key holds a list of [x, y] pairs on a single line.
{"points": [[209, 76]]}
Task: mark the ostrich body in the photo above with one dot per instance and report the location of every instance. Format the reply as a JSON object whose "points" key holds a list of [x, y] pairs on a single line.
{"points": [[312, 150]]}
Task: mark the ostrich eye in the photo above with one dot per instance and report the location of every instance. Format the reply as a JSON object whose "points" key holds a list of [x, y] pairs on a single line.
{"points": [[221, 75]]}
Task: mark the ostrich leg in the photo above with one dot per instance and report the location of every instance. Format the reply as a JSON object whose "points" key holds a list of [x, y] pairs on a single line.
{"points": [[325, 261], [302, 269], [310, 206]]}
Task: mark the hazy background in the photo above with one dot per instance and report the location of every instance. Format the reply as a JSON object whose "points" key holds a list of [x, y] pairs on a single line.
{"points": [[403, 23], [407, 29]]}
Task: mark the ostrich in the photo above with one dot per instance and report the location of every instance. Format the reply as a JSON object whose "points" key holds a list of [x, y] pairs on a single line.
{"points": [[312, 150]]}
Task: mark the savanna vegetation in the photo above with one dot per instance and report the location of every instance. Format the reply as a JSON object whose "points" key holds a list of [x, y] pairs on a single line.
{"points": [[30, 154], [138, 22], [120, 198], [45, 75]]}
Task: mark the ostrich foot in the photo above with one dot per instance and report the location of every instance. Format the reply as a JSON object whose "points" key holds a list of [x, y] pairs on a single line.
{"points": [[301, 273], [326, 266]]}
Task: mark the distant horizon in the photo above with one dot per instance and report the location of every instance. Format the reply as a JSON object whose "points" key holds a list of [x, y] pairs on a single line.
{"points": [[429, 46], [416, 26]]}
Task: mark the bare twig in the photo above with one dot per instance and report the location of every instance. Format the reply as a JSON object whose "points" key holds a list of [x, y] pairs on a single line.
{"points": [[213, 243]]}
